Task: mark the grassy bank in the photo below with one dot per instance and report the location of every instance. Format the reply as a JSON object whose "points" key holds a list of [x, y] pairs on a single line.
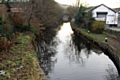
{"points": [[99, 38], [20, 61], [110, 47]]}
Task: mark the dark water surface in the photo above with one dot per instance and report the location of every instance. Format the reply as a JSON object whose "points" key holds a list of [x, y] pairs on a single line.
{"points": [[71, 57]]}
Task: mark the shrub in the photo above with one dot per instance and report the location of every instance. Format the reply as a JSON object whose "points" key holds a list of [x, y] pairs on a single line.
{"points": [[17, 19], [4, 43], [2, 28], [22, 28], [97, 27]]}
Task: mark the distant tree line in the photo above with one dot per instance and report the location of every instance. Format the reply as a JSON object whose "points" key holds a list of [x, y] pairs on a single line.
{"points": [[37, 16]]}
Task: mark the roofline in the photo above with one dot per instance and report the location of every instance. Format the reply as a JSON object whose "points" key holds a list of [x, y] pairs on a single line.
{"points": [[103, 5]]}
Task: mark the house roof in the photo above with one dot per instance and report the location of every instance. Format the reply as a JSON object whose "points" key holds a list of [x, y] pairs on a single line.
{"points": [[92, 8], [116, 9]]}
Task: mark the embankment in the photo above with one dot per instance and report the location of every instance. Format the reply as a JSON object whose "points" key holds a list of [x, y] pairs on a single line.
{"points": [[20, 61], [109, 50], [113, 33]]}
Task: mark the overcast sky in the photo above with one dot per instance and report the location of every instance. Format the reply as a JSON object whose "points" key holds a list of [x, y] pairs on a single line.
{"points": [[109, 3]]}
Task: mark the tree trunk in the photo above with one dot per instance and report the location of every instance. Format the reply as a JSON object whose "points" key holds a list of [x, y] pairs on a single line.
{"points": [[29, 20]]}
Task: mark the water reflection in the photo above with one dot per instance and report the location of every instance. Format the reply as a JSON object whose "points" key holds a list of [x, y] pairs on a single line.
{"points": [[71, 57], [77, 47], [111, 74], [46, 57]]}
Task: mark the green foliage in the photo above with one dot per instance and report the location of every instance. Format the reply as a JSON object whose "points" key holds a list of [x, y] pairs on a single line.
{"points": [[89, 20], [97, 27], [80, 15], [20, 61], [1, 21], [84, 19], [21, 28], [18, 21], [4, 32], [24, 39], [35, 30]]}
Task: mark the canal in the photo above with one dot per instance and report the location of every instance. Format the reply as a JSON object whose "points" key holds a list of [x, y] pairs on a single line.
{"points": [[71, 57]]}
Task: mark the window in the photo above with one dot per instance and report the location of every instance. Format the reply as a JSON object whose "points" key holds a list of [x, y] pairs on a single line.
{"points": [[101, 14]]}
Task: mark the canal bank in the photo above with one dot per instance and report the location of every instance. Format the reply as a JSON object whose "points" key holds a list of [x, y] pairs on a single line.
{"points": [[109, 47], [20, 61], [68, 57]]}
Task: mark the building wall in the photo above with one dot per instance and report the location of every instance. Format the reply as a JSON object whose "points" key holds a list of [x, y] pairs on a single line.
{"points": [[118, 19], [110, 17]]}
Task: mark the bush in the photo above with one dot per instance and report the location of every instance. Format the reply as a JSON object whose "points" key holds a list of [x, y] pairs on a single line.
{"points": [[17, 19], [97, 27], [22, 28]]}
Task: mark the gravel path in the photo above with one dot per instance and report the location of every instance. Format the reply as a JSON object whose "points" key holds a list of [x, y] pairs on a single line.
{"points": [[113, 42]]}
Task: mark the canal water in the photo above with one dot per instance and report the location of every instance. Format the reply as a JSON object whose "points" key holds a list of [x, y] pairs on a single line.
{"points": [[71, 57]]}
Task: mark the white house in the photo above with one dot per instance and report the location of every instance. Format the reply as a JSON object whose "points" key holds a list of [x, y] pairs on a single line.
{"points": [[118, 16], [104, 13]]}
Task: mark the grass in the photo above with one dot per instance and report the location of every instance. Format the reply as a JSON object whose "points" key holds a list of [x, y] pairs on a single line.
{"points": [[99, 37], [20, 61], [106, 35], [84, 31]]}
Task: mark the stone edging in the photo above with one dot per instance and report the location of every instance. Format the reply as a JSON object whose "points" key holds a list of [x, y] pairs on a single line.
{"points": [[107, 48]]}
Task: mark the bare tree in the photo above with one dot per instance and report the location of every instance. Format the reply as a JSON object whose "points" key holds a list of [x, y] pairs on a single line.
{"points": [[77, 3], [73, 8], [28, 8], [47, 11]]}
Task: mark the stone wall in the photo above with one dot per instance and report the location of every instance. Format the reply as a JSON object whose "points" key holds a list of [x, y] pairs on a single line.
{"points": [[106, 48]]}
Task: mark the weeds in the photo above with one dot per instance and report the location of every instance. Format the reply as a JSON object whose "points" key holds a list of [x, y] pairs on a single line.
{"points": [[19, 62]]}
